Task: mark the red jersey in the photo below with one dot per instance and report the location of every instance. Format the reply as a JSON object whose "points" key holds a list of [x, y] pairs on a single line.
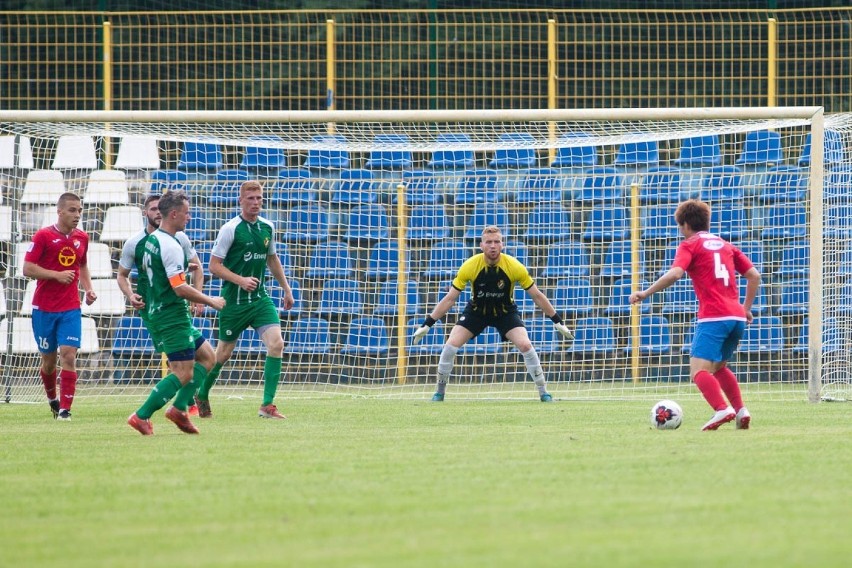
{"points": [[713, 264], [54, 250]]}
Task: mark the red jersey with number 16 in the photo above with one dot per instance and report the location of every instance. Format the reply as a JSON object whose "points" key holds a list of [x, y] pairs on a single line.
{"points": [[54, 250], [713, 264]]}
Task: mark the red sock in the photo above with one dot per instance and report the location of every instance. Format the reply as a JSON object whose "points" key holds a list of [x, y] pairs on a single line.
{"points": [[49, 384], [709, 387], [67, 387], [728, 381]]}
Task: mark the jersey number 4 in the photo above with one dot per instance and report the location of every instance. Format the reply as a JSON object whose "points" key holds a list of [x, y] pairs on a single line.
{"points": [[721, 270]]}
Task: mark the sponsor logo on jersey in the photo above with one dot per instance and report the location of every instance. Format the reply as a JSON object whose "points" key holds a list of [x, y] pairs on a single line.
{"points": [[713, 245], [66, 256]]}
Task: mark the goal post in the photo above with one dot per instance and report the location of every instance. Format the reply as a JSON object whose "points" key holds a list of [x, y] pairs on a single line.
{"points": [[375, 211]]}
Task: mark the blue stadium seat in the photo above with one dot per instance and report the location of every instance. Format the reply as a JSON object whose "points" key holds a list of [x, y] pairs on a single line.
{"points": [[607, 223], [397, 158], [277, 295], [783, 184], [785, 221], [602, 185], [445, 258], [200, 157], [761, 148], [541, 185], [679, 299], [573, 297], [518, 250], [331, 260], [658, 222], [266, 156], [249, 344], [484, 215], [837, 221], [283, 251], [463, 299], [795, 259], [477, 186], [544, 336], [428, 222], [618, 258], [308, 336], [486, 343], [384, 261], [366, 336], [167, 180], [514, 157], [367, 224], [420, 188], [199, 228], [660, 185], [700, 151], [655, 336], [764, 334], [619, 299], [730, 222], [225, 193], [593, 336], [293, 187], [566, 258], [834, 151], [638, 154], [308, 224], [130, 339], [723, 185], [548, 222], [838, 184], [524, 302], [452, 159], [794, 297], [355, 187], [834, 339], [754, 251], [758, 307], [341, 296], [575, 156], [387, 298], [333, 156], [431, 344]]}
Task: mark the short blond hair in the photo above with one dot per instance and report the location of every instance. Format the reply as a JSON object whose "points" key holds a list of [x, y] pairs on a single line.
{"points": [[250, 185], [490, 230]]}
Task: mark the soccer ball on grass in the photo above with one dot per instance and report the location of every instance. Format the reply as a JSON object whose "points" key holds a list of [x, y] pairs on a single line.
{"points": [[666, 415]]}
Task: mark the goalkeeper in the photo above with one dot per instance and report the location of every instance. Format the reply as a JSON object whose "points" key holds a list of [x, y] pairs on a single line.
{"points": [[492, 275]]}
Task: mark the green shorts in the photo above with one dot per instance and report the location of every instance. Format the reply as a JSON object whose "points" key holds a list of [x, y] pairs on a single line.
{"points": [[235, 319], [155, 336], [172, 333]]}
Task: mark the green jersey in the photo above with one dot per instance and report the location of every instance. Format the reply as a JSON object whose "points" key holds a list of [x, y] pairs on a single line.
{"points": [[164, 265], [243, 248]]}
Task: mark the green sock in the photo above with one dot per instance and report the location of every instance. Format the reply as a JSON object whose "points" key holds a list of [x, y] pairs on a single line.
{"points": [[271, 376], [207, 384], [160, 395], [186, 394]]}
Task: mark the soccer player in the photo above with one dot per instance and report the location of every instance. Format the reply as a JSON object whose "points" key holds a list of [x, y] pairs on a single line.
{"points": [[57, 259], [244, 248], [135, 248], [492, 275], [712, 263], [164, 265]]}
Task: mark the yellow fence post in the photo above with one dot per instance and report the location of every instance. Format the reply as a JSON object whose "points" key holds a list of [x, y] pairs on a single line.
{"points": [[330, 62], [772, 63], [635, 321]]}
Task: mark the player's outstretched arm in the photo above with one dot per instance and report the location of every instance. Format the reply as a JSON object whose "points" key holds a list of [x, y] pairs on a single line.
{"points": [[673, 275], [441, 309], [547, 308]]}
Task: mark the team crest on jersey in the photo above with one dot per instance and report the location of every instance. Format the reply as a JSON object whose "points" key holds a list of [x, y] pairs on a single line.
{"points": [[501, 284], [77, 243], [66, 256], [266, 242]]}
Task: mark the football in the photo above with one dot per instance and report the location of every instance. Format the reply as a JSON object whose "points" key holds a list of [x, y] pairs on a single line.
{"points": [[666, 415]]}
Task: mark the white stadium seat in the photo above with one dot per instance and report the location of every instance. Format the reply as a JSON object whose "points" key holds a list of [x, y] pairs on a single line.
{"points": [[8, 156], [99, 260], [138, 154], [110, 300], [22, 335], [75, 153], [120, 223], [43, 187], [107, 187]]}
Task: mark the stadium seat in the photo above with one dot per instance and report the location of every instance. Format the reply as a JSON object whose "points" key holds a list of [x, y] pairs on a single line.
{"points": [[486, 343], [266, 156], [638, 154], [398, 157], [699, 151], [293, 188], [837, 221], [463, 299], [723, 185], [573, 297], [660, 185], [514, 156], [601, 185], [388, 300], [761, 148], [794, 297], [524, 302], [795, 260], [655, 336], [607, 222], [2, 300], [548, 222], [384, 261], [544, 336], [477, 186], [763, 335], [199, 227], [593, 336], [428, 222], [838, 184], [445, 258], [785, 221], [367, 224], [202, 157], [137, 154], [679, 299], [308, 336], [355, 187], [575, 156], [730, 222], [22, 340], [107, 187], [130, 339], [447, 158], [431, 344], [225, 193], [834, 339], [331, 260], [485, 215], [27, 301], [168, 180], [618, 260], [16, 152], [834, 151], [754, 251], [249, 344], [120, 223], [517, 250], [99, 260], [566, 258], [331, 155], [658, 222], [6, 223], [783, 184], [541, 185], [283, 252], [276, 293], [110, 302], [75, 153], [42, 187], [341, 296], [89, 340], [758, 307], [420, 188], [619, 298], [366, 336], [308, 224]]}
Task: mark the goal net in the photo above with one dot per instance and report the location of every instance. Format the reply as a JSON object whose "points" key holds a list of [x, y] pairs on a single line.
{"points": [[375, 212]]}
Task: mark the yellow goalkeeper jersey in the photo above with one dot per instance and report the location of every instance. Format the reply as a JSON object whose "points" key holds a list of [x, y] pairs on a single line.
{"points": [[492, 287]]}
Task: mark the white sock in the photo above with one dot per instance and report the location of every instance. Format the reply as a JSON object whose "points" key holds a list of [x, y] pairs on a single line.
{"points": [[533, 364]]}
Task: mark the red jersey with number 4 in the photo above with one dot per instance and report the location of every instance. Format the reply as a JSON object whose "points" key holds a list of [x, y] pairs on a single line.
{"points": [[713, 264], [54, 250]]}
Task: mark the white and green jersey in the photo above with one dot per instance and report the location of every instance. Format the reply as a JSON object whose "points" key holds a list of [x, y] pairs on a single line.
{"points": [[164, 262], [243, 248], [134, 249]]}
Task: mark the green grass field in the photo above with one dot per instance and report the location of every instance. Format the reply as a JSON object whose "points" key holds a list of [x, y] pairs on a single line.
{"points": [[365, 482]]}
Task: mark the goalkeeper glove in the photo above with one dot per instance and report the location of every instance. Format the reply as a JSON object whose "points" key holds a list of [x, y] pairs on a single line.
{"points": [[421, 331], [561, 327]]}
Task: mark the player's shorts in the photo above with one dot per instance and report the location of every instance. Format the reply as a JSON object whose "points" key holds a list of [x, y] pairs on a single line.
{"points": [[53, 329], [199, 337], [475, 323], [716, 340], [234, 319], [175, 336]]}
